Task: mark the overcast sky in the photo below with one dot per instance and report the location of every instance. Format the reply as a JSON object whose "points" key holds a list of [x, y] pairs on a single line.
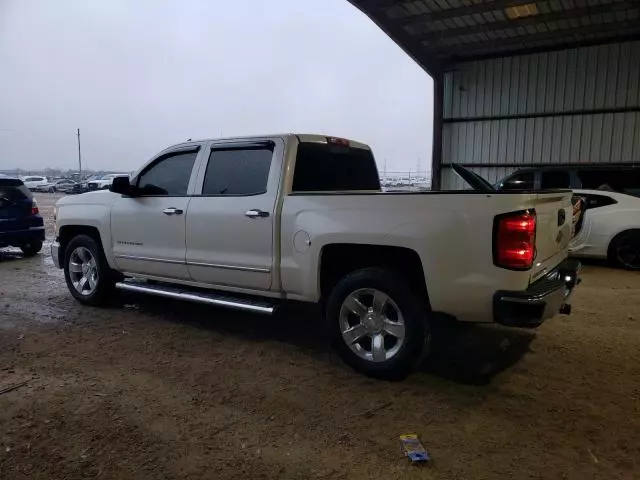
{"points": [[137, 76]]}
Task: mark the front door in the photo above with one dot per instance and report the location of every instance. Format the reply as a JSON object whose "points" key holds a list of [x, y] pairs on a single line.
{"points": [[148, 230], [230, 225]]}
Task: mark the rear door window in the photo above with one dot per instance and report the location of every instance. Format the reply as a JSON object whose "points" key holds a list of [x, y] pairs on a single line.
{"points": [[322, 167], [623, 180], [555, 179], [239, 171]]}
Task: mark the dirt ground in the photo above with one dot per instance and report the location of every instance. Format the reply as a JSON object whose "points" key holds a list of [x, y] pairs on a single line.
{"points": [[154, 389]]}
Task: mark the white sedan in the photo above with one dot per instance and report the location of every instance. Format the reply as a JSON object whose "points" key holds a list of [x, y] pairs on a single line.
{"points": [[35, 183], [609, 228]]}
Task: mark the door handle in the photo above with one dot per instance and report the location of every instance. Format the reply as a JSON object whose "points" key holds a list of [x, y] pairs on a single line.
{"points": [[172, 211], [256, 213]]}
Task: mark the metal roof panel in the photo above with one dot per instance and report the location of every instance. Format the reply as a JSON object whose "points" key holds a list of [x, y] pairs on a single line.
{"points": [[454, 30]]}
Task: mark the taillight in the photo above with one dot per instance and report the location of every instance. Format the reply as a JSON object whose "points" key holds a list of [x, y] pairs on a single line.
{"points": [[514, 240], [34, 208]]}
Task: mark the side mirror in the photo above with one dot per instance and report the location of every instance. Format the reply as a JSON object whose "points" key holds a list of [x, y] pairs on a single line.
{"points": [[122, 186]]}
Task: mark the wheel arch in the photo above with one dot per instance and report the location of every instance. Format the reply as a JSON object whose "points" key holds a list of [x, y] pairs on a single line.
{"points": [[67, 232], [615, 238], [338, 259], [617, 235]]}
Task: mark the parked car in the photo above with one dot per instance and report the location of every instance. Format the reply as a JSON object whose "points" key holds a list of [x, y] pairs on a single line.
{"points": [[104, 181], [303, 217], [34, 183], [62, 185], [621, 178], [20, 222], [609, 228]]}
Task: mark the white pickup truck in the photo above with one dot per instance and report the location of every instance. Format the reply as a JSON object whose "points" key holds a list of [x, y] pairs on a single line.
{"points": [[249, 223]]}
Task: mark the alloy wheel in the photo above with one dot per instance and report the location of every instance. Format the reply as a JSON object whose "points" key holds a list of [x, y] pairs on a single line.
{"points": [[372, 325], [83, 271]]}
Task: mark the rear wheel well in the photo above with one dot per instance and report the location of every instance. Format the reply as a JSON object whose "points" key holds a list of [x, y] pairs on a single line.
{"points": [[338, 260], [620, 234], [68, 232], [615, 239]]}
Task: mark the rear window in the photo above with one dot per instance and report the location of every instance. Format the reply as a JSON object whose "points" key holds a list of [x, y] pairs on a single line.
{"points": [[12, 190], [324, 168]]}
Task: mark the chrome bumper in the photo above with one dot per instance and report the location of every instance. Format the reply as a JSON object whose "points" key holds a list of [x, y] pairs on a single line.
{"points": [[55, 254], [542, 300]]}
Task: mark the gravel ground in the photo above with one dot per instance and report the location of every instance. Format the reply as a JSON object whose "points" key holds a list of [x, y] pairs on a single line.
{"points": [[155, 389]]}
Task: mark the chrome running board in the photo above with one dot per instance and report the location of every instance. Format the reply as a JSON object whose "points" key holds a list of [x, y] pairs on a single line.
{"points": [[209, 298]]}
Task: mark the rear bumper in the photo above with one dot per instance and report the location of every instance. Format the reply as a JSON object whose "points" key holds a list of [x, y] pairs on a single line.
{"points": [[542, 300], [20, 237]]}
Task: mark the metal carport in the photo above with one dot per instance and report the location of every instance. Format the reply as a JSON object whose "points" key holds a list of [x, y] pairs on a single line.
{"points": [[523, 83]]}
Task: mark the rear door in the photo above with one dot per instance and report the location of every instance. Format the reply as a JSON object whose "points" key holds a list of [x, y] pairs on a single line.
{"points": [[230, 220], [15, 205]]}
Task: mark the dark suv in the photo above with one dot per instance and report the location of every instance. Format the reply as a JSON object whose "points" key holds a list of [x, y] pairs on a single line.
{"points": [[20, 222], [621, 178]]}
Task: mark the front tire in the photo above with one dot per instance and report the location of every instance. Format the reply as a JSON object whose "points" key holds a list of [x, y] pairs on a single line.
{"points": [[32, 248], [624, 250], [377, 324], [87, 272]]}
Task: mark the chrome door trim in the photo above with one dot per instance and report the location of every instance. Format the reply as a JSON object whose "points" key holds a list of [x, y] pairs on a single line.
{"points": [[150, 259], [229, 267]]}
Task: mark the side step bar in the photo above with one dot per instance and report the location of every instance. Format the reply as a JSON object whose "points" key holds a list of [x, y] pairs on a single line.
{"points": [[209, 298]]}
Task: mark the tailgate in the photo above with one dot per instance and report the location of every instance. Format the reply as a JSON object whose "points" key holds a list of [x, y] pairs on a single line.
{"points": [[554, 229]]}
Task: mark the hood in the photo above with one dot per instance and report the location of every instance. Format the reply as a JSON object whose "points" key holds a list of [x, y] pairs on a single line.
{"points": [[99, 197]]}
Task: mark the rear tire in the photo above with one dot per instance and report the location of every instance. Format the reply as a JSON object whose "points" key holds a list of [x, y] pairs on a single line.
{"points": [[377, 324], [624, 250], [86, 271], [32, 248]]}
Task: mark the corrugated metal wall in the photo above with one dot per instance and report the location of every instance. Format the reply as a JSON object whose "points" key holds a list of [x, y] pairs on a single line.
{"points": [[573, 106]]}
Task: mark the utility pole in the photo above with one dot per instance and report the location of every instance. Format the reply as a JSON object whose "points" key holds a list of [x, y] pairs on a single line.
{"points": [[79, 158]]}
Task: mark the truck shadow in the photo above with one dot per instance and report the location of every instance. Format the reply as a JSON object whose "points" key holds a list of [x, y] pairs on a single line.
{"points": [[297, 325], [474, 354], [466, 354]]}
